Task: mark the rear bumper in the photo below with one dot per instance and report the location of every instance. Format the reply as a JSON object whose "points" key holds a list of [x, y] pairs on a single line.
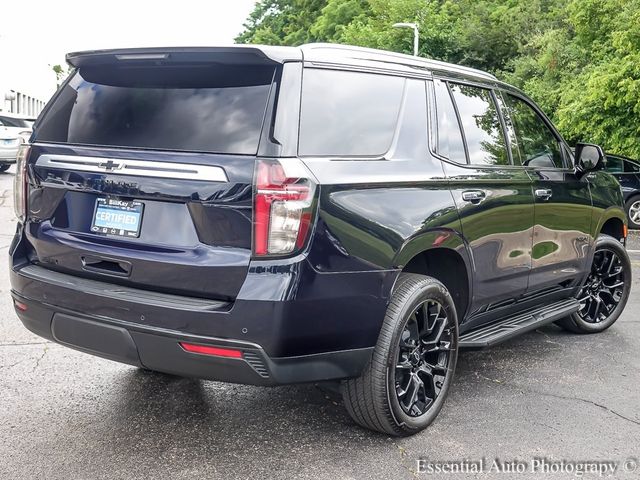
{"points": [[160, 350], [291, 323]]}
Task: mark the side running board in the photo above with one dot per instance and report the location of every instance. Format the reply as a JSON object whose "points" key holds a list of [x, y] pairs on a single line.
{"points": [[505, 329]]}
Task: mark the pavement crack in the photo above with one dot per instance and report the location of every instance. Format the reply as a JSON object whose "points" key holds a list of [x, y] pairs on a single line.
{"points": [[23, 344], [585, 400], [403, 455], [39, 359], [562, 397], [12, 364], [547, 338]]}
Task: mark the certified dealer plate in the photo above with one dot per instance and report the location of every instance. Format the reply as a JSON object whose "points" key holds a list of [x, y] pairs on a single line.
{"points": [[117, 217]]}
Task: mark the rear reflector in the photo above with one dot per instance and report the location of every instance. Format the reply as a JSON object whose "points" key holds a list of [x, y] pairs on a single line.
{"points": [[214, 351], [20, 306]]}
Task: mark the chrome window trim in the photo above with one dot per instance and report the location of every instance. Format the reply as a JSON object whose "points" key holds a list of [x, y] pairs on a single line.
{"points": [[137, 168]]}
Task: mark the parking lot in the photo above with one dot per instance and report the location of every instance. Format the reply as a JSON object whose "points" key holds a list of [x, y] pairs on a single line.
{"points": [[548, 394]]}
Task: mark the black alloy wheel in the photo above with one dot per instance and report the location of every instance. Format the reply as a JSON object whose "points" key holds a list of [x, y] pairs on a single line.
{"points": [[424, 353], [605, 292], [406, 382], [603, 289]]}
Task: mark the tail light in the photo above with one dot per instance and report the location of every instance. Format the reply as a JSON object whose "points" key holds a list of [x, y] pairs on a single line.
{"points": [[283, 206], [20, 182]]}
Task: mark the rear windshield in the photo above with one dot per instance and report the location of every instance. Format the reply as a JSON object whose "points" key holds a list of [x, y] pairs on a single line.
{"points": [[204, 108]]}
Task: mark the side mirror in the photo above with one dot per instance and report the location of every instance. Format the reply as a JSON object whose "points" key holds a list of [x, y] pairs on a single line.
{"points": [[588, 157]]}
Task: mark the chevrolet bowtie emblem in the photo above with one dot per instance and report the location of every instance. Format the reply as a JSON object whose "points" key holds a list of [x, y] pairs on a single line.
{"points": [[110, 165]]}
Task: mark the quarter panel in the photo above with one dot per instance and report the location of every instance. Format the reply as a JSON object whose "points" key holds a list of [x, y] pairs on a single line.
{"points": [[366, 227], [607, 198]]}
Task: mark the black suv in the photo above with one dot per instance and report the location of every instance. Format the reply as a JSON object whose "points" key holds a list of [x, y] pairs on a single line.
{"points": [[270, 215]]}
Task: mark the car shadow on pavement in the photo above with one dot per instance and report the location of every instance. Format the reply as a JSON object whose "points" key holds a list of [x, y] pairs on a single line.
{"points": [[156, 415]]}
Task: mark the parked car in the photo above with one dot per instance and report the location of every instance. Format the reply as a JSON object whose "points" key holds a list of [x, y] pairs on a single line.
{"points": [[13, 132], [627, 171], [323, 213], [23, 126]]}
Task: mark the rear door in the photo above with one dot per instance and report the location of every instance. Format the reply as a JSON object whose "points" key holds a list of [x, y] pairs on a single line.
{"points": [[493, 197], [142, 172], [561, 235]]}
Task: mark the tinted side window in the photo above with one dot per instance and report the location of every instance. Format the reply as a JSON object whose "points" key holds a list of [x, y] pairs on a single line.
{"points": [[450, 142], [509, 128], [348, 113], [614, 165], [537, 144], [631, 167], [481, 125]]}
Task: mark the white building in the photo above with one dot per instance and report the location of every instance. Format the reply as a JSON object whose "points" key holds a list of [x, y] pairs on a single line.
{"points": [[21, 103], [26, 80]]}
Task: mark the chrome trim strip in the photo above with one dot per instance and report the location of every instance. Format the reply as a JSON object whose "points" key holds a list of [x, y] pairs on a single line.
{"points": [[138, 168]]}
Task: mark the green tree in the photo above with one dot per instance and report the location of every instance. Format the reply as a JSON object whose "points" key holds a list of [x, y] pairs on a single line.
{"points": [[586, 73], [281, 22], [61, 73], [579, 59]]}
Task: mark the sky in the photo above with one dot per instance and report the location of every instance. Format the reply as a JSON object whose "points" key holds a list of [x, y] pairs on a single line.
{"points": [[43, 31]]}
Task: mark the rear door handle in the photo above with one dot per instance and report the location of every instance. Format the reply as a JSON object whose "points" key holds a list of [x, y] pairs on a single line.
{"points": [[473, 196], [543, 193]]}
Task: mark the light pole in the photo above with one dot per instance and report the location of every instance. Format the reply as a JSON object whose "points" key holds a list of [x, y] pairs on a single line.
{"points": [[415, 34]]}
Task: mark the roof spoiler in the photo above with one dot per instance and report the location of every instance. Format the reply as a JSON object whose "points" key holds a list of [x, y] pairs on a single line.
{"points": [[237, 54]]}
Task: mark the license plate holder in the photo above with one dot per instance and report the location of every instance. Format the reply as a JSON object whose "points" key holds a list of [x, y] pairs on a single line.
{"points": [[122, 218]]}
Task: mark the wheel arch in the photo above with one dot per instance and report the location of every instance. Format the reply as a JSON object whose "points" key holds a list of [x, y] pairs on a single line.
{"points": [[444, 255], [613, 222]]}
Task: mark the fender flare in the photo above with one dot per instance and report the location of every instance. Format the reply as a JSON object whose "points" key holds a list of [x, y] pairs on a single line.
{"points": [[611, 212], [435, 239]]}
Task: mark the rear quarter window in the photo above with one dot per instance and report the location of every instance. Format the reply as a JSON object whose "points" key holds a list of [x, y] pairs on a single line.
{"points": [[209, 108], [348, 113]]}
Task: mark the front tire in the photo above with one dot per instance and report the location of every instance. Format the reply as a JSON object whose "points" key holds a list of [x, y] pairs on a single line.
{"points": [[402, 389], [605, 291], [4, 167]]}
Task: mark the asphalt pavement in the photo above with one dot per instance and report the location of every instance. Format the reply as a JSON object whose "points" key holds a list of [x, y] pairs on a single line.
{"points": [[547, 395]]}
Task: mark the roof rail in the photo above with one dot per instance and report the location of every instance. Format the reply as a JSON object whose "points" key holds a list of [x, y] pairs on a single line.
{"points": [[352, 52]]}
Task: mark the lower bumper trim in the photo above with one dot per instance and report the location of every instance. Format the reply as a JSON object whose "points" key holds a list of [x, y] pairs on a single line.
{"points": [[160, 350]]}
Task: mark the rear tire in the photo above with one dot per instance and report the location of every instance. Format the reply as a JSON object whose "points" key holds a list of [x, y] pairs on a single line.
{"points": [[4, 167], [605, 291], [402, 389]]}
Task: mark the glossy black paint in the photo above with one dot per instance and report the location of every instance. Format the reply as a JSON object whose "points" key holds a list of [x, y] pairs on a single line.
{"points": [[562, 236], [374, 217], [178, 245]]}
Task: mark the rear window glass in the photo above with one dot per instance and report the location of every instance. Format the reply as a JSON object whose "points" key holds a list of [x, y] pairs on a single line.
{"points": [[348, 113], [450, 142], [481, 125], [210, 108]]}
